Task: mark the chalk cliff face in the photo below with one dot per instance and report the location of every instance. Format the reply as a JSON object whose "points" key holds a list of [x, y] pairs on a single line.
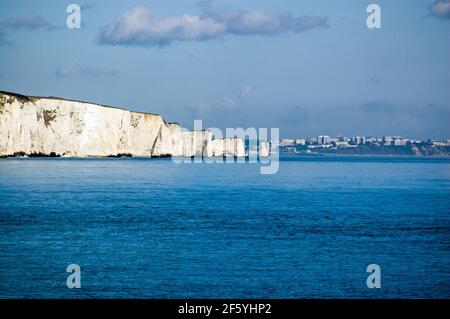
{"points": [[173, 140], [45, 126], [228, 147]]}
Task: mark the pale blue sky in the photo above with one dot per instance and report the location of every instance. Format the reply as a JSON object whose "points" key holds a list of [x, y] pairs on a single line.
{"points": [[334, 77]]}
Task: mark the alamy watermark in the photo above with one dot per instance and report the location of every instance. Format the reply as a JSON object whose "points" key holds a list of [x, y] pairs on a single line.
{"points": [[374, 19], [74, 279], [237, 145], [374, 279], [74, 19]]}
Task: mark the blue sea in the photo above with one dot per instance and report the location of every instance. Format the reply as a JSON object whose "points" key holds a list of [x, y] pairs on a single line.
{"points": [[150, 228]]}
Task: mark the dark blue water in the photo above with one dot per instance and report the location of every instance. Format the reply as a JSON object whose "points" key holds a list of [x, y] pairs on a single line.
{"points": [[151, 228]]}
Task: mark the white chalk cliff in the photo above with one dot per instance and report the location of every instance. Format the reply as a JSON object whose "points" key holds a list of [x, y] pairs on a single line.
{"points": [[53, 126]]}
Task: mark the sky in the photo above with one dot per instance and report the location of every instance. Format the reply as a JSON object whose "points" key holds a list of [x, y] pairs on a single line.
{"points": [[309, 67]]}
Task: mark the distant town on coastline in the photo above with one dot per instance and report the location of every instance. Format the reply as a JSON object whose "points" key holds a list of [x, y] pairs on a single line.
{"points": [[365, 145]]}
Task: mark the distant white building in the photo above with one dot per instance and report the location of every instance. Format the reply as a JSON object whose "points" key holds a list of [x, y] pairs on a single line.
{"points": [[287, 142], [399, 142], [358, 140], [323, 140], [312, 140], [389, 140], [300, 141]]}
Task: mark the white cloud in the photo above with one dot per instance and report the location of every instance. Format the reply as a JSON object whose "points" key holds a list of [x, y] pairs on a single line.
{"points": [[140, 27], [260, 22], [441, 9]]}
